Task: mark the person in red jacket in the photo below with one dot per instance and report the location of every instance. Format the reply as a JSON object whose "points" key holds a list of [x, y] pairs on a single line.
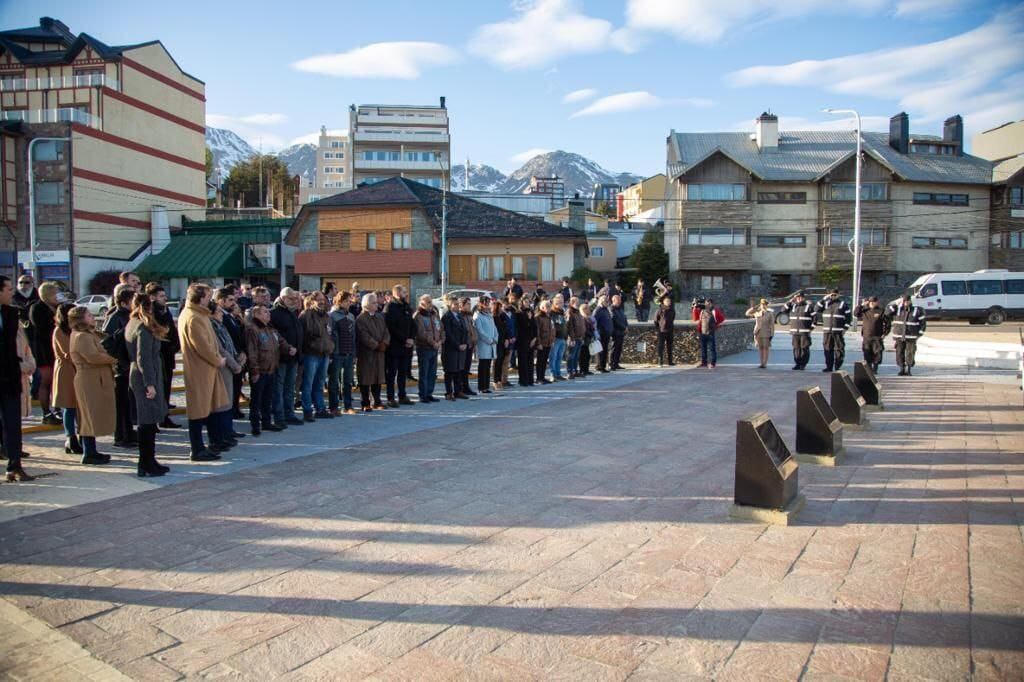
{"points": [[700, 304]]}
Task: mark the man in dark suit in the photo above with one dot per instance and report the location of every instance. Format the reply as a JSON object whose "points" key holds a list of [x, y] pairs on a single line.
{"points": [[10, 383]]}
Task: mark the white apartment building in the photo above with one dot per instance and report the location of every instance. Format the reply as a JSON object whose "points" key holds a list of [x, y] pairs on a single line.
{"points": [[409, 141], [333, 167]]}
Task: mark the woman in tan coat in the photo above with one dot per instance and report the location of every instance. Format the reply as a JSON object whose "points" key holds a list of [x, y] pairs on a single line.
{"points": [[201, 358], [372, 340], [764, 329], [64, 379], [94, 383]]}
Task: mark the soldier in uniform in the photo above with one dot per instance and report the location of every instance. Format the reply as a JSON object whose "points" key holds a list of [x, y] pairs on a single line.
{"points": [[875, 327], [908, 324], [834, 316], [801, 321]]}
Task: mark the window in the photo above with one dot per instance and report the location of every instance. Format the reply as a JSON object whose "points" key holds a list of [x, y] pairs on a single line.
{"points": [[490, 267], [954, 288], [939, 242], [590, 227], [334, 169], [50, 236], [716, 236], [597, 251], [781, 241], [371, 241], [48, 150], [401, 240], [929, 290], [842, 236], [382, 156], [1017, 196], [534, 267], [1015, 286], [335, 241], [985, 287], [711, 282], [937, 149], [336, 144], [421, 156], [782, 197], [49, 193], [805, 280], [941, 199], [869, 191], [334, 155], [755, 280], [716, 192]]}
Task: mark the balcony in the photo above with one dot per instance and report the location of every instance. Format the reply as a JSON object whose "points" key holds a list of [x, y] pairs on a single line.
{"points": [[877, 258], [397, 120], [403, 137], [90, 80], [725, 257], [63, 115], [363, 164]]}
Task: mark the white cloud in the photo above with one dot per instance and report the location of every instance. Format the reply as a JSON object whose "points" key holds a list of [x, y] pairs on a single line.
{"points": [[967, 73], [698, 102], [540, 33], [402, 60], [623, 101], [523, 157], [926, 7], [871, 122], [579, 95]]}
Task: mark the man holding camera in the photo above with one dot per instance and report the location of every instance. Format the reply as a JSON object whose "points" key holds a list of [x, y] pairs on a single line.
{"points": [[801, 322], [834, 316]]}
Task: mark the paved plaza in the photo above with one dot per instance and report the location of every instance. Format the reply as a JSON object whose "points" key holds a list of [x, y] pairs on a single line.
{"points": [[572, 531]]}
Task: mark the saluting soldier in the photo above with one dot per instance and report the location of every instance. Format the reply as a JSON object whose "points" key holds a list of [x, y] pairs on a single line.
{"points": [[834, 315], [875, 325], [801, 322], [908, 324]]}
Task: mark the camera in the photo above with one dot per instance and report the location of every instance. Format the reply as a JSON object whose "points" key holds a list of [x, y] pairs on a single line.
{"points": [[698, 302]]}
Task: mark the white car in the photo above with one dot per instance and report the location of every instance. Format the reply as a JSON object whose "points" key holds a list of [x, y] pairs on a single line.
{"points": [[97, 304], [472, 294]]}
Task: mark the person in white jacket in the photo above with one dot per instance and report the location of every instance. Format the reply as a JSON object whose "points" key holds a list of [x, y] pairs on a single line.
{"points": [[486, 343]]}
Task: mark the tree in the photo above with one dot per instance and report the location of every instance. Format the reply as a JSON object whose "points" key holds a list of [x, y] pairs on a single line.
{"points": [[244, 181], [832, 275], [604, 209], [209, 163], [650, 258]]}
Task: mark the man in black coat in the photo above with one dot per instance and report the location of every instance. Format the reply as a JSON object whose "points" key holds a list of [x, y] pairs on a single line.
{"points": [[398, 358], [114, 344], [619, 327], [284, 318], [227, 301], [24, 296], [513, 289], [10, 383], [875, 327]]}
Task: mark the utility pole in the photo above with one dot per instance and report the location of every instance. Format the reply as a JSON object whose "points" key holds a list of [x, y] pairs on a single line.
{"points": [[857, 249], [259, 201], [444, 224], [465, 187], [32, 197]]}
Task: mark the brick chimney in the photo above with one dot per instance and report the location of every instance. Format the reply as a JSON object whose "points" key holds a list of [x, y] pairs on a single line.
{"points": [[953, 131], [577, 218], [899, 132], [766, 131]]}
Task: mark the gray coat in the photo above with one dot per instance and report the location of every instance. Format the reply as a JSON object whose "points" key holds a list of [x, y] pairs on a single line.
{"points": [[146, 370], [231, 365]]}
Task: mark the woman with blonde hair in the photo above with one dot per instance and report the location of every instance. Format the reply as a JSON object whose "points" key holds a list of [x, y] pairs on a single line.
{"points": [[41, 323], [94, 383], [143, 336], [764, 329], [64, 379]]}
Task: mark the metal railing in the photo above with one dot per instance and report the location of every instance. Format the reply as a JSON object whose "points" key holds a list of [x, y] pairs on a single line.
{"points": [[61, 115], [89, 80]]}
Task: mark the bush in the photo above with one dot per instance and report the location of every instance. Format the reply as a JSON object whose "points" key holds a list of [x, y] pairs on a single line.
{"points": [[104, 281], [581, 274]]}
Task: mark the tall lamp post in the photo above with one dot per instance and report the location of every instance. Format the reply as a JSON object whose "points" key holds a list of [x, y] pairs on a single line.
{"points": [[444, 224], [32, 198], [856, 210]]}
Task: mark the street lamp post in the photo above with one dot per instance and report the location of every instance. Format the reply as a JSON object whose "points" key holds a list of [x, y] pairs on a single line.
{"points": [[857, 249], [444, 224], [32, 197]]}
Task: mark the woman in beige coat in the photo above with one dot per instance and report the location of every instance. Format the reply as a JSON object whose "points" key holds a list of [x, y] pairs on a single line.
{"points": [[764, 329], [94, 383], [201, 358], [64, 379]]}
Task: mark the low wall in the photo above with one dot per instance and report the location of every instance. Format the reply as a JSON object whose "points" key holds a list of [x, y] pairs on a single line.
{"points": [[734, 336]]}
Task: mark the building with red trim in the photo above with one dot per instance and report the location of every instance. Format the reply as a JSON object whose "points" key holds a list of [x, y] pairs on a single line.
{"points": [[134, 164]]}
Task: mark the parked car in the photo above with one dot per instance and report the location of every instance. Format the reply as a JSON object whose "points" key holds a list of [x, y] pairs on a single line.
{"points": [[813, 294], [984, 296], [473, 295], [97, 304]]}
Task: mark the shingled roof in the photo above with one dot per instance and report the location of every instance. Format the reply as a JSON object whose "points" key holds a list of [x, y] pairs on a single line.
{"points": [[467, 218], [809, 155]]}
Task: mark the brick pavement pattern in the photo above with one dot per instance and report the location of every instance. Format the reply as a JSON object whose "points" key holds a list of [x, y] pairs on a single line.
{"points": [[585, 537]]}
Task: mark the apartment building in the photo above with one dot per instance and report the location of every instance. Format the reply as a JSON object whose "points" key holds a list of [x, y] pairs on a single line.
{"points": [[552, 186], [644, 197], [408, 141], [133, 156], [333, 167], [1004, 145], [751, 214]]}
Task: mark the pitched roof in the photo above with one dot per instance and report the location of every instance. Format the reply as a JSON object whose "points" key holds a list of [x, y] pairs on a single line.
{"points": [[207, 252], [809, 155], [467, 218]]}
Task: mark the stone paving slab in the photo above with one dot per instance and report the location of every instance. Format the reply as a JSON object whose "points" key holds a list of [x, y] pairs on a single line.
{"points": [[575, 535]]}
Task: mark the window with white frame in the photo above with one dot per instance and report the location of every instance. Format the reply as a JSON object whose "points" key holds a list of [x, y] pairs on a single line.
{"points": [[711, 282], [48, 150], [716, 236], [869, 191], [371, 241], [939, 242], [841, 236], [716, 192], [597, 251], [401, 240], [755, 280], [336, 144]]}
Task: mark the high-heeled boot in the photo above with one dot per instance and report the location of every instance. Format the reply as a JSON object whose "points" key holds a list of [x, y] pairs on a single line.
{"points": [[72, 446]]}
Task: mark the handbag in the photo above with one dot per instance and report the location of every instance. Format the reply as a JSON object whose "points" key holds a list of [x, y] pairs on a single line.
{"points": [[596, 347]]}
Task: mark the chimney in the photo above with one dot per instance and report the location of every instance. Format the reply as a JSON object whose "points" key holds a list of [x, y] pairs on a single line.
{"points": [[577, 221], [766, 131], [899, 132], [953, 131], [442, 102], [58, 27]]}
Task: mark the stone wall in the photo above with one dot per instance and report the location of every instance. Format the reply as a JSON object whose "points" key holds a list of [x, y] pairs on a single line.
{"points": [[734, 336]]}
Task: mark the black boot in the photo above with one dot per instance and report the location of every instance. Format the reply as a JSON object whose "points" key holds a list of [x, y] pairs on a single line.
{"points": [[72, 446]]}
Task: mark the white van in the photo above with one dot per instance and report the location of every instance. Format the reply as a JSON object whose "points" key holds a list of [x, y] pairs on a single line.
{"points": [[991, 296]]}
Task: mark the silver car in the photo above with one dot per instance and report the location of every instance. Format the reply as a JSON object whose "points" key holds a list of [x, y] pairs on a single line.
{"points": [[97, 304]]}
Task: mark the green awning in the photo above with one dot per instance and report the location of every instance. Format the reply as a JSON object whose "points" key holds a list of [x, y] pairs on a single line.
{"points": [[200, 252]]}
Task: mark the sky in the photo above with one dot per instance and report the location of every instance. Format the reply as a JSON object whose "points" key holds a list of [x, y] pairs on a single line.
{"points": [[607, 79]]}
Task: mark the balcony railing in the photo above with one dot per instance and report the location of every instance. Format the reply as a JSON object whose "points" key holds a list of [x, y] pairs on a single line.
{"points": [[63, 115], [363, 164], [402, 136], [90, 80]]}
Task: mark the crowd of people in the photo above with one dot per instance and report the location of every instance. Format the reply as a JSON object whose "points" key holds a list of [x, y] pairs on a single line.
{"points": [[311, 351]]}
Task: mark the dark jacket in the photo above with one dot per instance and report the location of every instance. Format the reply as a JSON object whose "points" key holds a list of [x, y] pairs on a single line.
{"points": [[801, 317], [560, 322], [235, 329], [514, 290], [603, 318], [316, 333], [576, 325], [526, 329], [23, 303], [114, 342], [665, 318], [619, 323], [42, 319], [566, 293], [343, 326], [908, 321], [10, 361], [286, 322], [398, 316], [538, 295], [170, 346], [146, 370], [545, 329], [875, 322], [833, 316], [455, 335]]}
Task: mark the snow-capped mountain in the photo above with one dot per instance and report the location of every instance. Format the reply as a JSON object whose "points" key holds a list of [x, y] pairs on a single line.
{"points": [[300, 159], [228, 149], [482, 177], [579, 173]]}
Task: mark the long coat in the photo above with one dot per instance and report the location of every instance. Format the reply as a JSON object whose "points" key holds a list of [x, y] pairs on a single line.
{"points": [[226, 346], [200, 355], [486, 335], [371, 331], [94, 384], [455, 335], [144, 350], [63, 371]]}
